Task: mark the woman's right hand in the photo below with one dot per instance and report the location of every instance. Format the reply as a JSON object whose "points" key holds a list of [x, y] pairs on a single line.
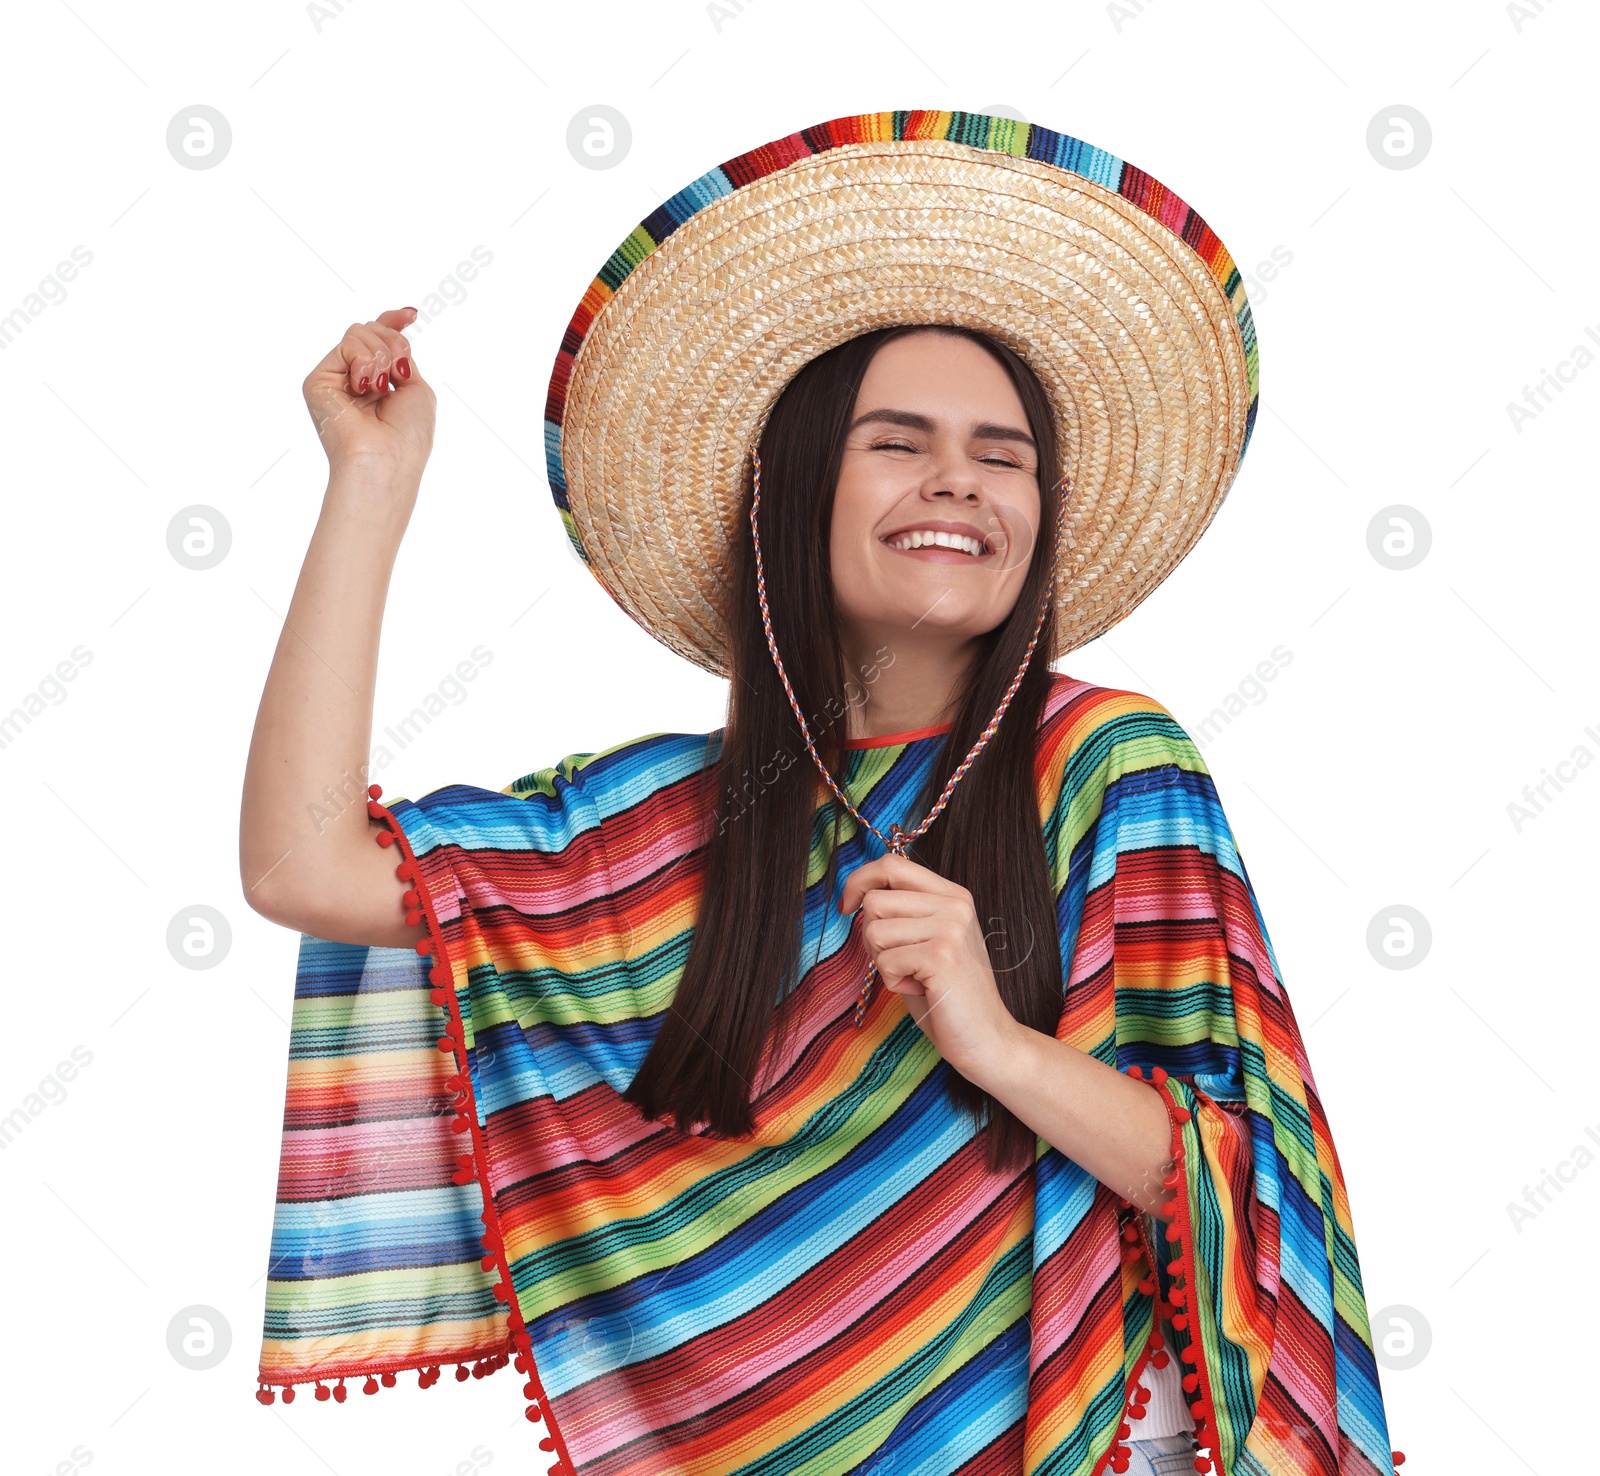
{"points": [[372, 409]]}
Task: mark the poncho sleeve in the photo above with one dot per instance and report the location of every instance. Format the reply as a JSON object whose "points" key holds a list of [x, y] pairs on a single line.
{"points": [[1257, 1250], [383, 1259]]}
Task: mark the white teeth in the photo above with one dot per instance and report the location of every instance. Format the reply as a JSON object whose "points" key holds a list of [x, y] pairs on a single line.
{"points": [[925, 539]]}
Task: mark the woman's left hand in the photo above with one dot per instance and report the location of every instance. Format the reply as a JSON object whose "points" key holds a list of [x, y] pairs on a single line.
{"points": [[924, 935]]}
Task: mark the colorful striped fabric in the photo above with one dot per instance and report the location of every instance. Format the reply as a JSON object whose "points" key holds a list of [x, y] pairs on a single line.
{"points": [[850, 1289], [977, 130]]}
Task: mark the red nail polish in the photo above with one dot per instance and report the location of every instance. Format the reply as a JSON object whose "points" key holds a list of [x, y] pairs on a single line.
{"points": [[361, 388], [402, 367], [383, 383]]}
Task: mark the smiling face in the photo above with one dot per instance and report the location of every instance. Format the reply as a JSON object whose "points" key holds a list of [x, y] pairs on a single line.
{"points": [[936, 510]]}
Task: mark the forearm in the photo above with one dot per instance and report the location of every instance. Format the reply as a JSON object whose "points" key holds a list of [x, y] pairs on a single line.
{"points": [[303, 806], [1114, 1126]]}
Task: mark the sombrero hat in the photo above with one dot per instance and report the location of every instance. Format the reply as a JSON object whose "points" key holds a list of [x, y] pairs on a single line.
{"points": [[1117, 294]]}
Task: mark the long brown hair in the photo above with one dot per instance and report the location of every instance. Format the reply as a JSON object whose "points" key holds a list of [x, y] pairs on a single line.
{"points": [[744, 957]]}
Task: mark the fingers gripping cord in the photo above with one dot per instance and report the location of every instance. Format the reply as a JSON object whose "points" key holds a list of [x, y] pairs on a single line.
{"points": [[470, 1164]]}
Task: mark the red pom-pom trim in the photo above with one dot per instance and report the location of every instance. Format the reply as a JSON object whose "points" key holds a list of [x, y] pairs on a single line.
{"points": [[418, 911], [1139, 1244], [1179, 1232], [1136, 1404], [386, 1378]]}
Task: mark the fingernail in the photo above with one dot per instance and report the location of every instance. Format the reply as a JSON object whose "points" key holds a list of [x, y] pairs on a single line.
{"points": [[402, 367], [361, 388], [383, 382], [408, 310]]}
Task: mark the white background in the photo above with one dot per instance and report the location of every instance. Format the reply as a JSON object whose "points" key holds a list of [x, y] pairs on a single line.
{"points": [[372, 150]]}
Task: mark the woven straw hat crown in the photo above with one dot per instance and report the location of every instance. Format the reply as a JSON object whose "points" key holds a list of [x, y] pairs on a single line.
{"points": [[1115, 292]]}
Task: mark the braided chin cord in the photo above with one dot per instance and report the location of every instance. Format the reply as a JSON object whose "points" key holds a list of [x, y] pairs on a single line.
{"points": [[897, 840]]}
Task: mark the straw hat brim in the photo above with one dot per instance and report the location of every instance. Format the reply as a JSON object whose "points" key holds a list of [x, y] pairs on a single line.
{"points": [[1114, 291]]}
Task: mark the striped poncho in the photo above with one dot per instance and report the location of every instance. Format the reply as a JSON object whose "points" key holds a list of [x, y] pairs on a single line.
{"points": [[850, 1289]]}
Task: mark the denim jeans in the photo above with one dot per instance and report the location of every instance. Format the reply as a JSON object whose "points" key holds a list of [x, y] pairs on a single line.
{"points": [[1162, 1455]]}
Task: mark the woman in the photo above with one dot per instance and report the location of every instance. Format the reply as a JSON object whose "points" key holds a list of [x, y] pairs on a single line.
{"points": [[899, 1077]]}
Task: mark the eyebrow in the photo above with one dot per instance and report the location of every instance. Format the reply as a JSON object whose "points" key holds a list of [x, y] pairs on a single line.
{"points": [[984, 430]]}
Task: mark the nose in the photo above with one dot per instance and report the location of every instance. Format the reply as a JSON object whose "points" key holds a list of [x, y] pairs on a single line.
{"points": [[953, 476]]}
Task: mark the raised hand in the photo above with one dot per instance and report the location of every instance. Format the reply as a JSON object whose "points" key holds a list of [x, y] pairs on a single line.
{"points": [[372, 409]]}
